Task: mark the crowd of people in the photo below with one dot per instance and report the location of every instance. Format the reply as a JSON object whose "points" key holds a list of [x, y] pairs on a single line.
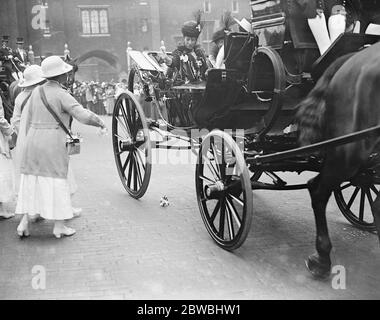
{"points": [[13, 60], [98, 97]]}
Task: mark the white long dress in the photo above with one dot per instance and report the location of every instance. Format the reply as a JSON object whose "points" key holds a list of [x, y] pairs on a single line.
{"points": [[6, 165], [43, 196], [18, 151], [6, 177]]}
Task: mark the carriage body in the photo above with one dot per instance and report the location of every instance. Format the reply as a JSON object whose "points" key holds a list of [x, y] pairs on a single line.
{"points": [[268, 72]]}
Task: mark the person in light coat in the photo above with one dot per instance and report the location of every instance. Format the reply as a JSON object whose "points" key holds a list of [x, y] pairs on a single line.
{"points": [[44, 187], [6, 166]]}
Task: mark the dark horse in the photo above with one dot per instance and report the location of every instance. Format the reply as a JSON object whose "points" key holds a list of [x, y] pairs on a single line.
{"points": [[346, 99]]}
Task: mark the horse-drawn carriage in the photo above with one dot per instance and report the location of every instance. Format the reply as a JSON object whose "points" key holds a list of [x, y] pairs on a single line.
{"points": [[256, 99]]}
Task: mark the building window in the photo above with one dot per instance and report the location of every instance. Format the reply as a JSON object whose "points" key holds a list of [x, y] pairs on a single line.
{"points": [[235, 6], [144, 25], [207, 6], [94, 21]]}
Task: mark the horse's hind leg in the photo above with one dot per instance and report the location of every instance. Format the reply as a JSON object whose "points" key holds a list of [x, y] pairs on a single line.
{"points": [[319, 263]]}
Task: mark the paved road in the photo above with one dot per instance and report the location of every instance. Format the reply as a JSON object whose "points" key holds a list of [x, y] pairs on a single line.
{"points": [[129, 249]]}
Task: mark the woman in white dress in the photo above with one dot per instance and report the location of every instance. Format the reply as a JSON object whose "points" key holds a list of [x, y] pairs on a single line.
{"points": [[32, 77], [44, 186], [6, 165]]}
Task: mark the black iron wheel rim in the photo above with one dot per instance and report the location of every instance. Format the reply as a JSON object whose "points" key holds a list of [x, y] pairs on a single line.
{"points": [[351, 195], [228, 219], [131, 143]]}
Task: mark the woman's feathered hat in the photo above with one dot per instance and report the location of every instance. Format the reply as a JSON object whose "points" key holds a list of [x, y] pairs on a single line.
{"points": [[193, 28], [226, 22]]}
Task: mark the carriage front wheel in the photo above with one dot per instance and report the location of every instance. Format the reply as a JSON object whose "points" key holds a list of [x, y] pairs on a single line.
{"points": [[355, 197], [131, 145], [224, 190]]}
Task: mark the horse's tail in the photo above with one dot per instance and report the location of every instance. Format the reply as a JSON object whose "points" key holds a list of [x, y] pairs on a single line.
{"points": [[311, 110]]}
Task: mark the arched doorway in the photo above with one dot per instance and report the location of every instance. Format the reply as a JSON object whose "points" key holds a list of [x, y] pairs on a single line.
{"points": [[98, 65]]}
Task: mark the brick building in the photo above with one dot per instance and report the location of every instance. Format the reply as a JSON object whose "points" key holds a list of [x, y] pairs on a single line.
{"points": [[99, 30]]}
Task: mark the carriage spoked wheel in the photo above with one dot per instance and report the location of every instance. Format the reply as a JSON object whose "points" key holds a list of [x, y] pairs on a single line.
{"points": [[354, 199], [131, 145], [224, 190]]}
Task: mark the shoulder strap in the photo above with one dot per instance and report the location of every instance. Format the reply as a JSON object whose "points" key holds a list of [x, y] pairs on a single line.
{"points": [[25, 101], [55, 116]]}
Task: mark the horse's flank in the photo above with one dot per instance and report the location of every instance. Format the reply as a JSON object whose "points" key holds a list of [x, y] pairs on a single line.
{"points": [[311, 111]]}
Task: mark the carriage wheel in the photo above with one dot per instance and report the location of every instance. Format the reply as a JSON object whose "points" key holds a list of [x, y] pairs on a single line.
{"points": [[354, 199], [134, 82], [224, 190], [131, 145]]}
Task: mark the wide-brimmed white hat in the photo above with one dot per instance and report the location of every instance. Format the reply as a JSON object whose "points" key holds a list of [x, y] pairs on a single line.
{"points": [[32, 75], [245, 24], [54, 66]]}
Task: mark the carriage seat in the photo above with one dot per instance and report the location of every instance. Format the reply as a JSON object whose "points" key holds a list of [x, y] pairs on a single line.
{"points": [[222, 90], [238, 50]]}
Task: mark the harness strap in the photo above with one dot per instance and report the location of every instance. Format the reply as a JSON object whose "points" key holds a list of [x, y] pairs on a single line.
{"points": [[25, 101]]}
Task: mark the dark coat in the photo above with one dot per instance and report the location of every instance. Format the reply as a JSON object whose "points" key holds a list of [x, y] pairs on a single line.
{"points": [[184, 61], [6, 62], [22, 55]]}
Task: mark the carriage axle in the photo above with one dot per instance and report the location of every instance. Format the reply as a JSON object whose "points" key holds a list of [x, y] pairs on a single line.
{"points": [[215, 190], [127, 145]]}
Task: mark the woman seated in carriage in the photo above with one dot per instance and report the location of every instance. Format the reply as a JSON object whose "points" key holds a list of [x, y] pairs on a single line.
{"points": [[188, 63]]}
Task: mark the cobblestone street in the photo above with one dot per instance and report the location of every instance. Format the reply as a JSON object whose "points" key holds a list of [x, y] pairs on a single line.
{"points": [[135, 249]]}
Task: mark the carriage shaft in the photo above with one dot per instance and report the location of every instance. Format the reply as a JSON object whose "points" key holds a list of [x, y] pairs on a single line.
{"points": [[349, 138]]}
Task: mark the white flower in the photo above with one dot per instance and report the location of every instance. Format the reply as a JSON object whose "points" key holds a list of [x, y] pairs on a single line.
{"points": [[184, 58]]}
